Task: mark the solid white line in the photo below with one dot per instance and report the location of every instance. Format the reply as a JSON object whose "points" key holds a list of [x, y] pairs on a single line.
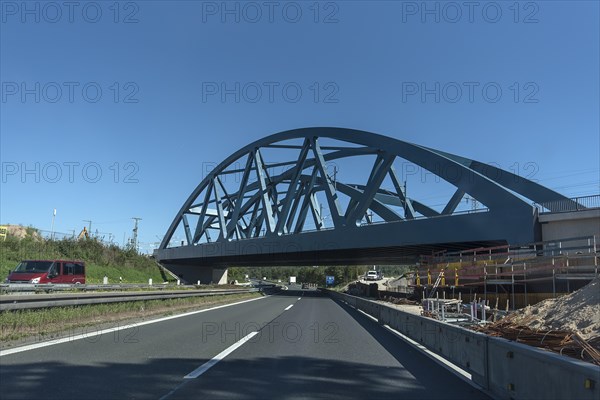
{"points": [[118, 328], [207, 365], [453, 368], [368, 315], [431, 354], [288, 307]]}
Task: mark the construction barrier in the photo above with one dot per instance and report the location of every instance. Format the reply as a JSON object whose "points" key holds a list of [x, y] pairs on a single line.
{"points": [[503, 369]]}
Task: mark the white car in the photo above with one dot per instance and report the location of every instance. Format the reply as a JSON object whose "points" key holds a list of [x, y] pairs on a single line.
{"points": [[372, 276]]}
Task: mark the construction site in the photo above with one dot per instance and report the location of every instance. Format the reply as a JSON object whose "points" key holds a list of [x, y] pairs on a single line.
{"points": [[517, 276], [545, 295]]}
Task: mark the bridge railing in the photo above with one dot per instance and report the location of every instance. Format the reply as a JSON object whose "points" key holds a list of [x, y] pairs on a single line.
{"points": [[502, 368], [572, 204]]}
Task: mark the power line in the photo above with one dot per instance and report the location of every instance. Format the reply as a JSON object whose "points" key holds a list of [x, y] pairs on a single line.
{"points": [[577, 185]]}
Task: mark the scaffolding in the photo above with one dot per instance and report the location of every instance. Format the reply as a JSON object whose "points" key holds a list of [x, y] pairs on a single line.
{"points": [[513, 269]]}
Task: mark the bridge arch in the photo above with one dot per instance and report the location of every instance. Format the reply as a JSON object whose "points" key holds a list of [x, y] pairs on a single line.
{"points": [[274, 211]]}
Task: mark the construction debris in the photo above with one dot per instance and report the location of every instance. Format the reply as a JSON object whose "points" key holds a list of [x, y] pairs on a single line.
{"points": [[399, 300], [568, 325], [565, 343]]}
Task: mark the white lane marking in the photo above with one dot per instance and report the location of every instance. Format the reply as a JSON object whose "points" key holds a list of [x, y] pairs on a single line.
{"points": [[439, 359], [110, 330], [458, 371], [207, 365], [299, 298], [288, 307]]}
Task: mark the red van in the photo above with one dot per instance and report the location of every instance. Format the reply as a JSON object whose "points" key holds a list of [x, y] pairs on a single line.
{"points": [[48, 271]]}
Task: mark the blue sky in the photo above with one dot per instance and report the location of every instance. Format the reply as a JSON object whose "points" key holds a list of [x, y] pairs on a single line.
{"points": [[127, 90]]}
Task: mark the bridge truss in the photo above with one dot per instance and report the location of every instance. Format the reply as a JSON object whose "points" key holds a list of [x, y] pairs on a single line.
{"points": [[281, 201]]}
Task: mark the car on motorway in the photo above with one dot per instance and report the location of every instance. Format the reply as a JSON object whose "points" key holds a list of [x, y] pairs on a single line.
{"points": [[48, 271], [372, 276]]}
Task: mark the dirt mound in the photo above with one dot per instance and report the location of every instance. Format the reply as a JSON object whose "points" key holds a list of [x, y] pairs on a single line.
{"points": [[578, 312]]}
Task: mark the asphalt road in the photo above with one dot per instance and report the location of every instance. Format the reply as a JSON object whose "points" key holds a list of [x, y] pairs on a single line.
{"points": [[305, 345]]}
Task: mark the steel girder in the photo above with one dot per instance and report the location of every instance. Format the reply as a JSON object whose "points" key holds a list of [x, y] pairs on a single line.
{"points": [[260, 223]]}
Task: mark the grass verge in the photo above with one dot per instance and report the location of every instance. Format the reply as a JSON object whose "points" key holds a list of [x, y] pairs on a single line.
{"points": [[26, 326], [101, 260]]}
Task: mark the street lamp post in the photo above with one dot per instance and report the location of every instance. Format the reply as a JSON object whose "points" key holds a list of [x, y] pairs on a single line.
{"points": [[52, 227]]}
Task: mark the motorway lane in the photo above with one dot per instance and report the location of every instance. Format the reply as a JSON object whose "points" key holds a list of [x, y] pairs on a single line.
{"points": [[315, 348], [323, 349], [141, 362]]}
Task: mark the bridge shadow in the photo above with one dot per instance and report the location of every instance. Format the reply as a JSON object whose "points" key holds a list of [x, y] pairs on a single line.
{"points": [[428, 373], [257, 378], [58, 380], [269, 374], [294, 377]]}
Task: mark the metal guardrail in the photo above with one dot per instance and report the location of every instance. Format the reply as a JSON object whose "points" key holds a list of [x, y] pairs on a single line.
{"points": [[58, 287], [504, 369], [572, 204], [21, 302]]}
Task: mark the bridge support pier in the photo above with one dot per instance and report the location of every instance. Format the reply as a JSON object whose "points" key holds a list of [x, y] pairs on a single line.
{"points": [[219, 276], [191, 274]]}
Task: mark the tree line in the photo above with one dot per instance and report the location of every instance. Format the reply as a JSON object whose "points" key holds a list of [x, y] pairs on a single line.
{"points": [[313, 274]]}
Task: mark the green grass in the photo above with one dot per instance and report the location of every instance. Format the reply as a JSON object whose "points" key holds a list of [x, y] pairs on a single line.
{"points": [[96, 273], [51, 322], [101, 260]]}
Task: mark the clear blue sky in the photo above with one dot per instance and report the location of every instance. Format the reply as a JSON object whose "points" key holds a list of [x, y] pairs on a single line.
{"points": [[157, 122]]}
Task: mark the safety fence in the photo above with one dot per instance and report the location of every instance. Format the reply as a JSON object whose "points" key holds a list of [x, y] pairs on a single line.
{"points": [[570, 205]]}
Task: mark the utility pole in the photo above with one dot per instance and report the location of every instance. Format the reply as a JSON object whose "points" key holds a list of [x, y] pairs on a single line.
{"points": [[89, 226], [52, 228], [135, 233]]}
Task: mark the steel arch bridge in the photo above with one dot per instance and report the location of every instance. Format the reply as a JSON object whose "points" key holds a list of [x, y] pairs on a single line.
{"points": [[295, 211]]}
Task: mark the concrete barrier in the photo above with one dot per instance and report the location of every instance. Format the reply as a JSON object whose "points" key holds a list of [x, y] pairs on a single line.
{"points": [[504, 369], [518, 371]]}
